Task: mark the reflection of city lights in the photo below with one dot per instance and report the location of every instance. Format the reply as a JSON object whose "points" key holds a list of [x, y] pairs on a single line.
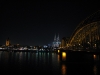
{"points": [[58, 51], [63, 69], [63, 55], [95, 69], [94, 56], [58, 57]]}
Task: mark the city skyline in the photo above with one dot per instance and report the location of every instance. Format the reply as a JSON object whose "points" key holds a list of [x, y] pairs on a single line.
{"points": [[35, 23]]}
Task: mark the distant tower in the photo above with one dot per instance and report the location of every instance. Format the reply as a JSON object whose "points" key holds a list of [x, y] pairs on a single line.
{"points": [[7, 42], [58, 38], [56, 41], [55, 37]]}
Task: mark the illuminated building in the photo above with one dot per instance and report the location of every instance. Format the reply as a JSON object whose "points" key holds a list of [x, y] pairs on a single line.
{"points": [[64, 42], [8, 42], [56, 42]]}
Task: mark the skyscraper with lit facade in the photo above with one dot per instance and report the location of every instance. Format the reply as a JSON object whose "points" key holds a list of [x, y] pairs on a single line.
{"points": [[56, 42]]}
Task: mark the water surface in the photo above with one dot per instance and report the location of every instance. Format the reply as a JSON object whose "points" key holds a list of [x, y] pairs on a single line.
{"points": [[49, 63]]}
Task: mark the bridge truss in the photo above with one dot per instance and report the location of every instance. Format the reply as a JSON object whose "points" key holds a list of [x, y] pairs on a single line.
{"points": [[87, 34]]}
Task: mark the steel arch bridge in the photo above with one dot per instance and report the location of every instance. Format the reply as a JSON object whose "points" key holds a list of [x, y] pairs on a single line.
{"points": [[87, 34]]}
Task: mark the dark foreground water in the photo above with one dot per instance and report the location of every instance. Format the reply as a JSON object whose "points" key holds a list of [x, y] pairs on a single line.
{"points": [[42, 63]]}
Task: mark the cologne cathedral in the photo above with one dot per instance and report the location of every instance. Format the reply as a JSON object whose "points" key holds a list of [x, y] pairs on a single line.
{"points": [[56, 42]]}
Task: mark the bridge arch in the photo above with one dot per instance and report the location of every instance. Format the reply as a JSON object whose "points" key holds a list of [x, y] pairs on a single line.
{"points": [[87, 34]]}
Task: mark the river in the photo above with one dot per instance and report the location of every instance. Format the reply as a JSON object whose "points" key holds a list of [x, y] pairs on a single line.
{"points": [[48, 63]]}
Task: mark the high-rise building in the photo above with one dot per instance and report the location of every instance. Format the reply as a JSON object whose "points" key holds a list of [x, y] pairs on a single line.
{"points": [[56, 42], [8, 42]]}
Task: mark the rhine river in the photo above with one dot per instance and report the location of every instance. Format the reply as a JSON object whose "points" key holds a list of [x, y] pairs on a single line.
{"points": [[48, 63]]}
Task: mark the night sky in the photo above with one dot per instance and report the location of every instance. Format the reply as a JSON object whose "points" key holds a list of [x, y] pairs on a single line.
{"points": [[36, 23]]}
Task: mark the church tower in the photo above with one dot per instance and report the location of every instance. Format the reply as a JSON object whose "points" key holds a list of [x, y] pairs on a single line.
{"points": [[58, 38], [55, 37], [56, 42], [7, 42]]}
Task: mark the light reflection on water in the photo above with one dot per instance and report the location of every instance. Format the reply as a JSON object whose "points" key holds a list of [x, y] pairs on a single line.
{"points": [[52, 63], [94, 56], [96, 60], [58, 58], [95, 70], [63, 69]]}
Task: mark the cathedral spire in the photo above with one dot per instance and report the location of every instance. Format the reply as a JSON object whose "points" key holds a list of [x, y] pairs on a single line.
{"points": [[56, 42], [58, 38], [55, 37]]}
